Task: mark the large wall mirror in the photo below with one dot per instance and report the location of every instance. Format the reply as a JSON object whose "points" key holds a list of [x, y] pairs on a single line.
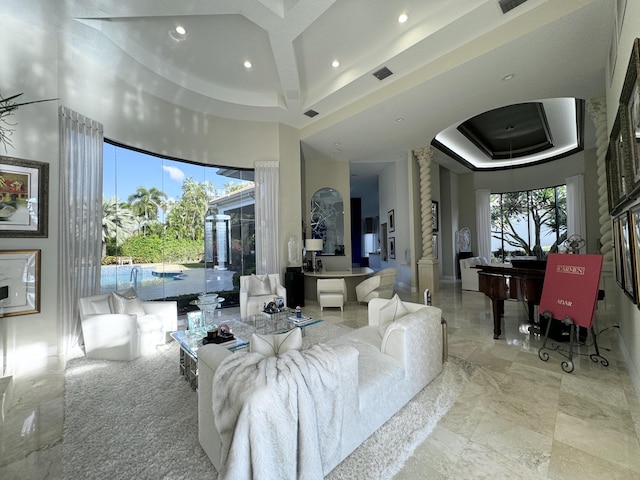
{"points": [[327, 220]]}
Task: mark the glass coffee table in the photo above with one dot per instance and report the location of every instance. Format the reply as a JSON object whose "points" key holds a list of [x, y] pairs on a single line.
{"points": [[191, 340]]}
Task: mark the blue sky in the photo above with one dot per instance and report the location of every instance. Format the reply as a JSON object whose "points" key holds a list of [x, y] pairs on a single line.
{"points": [[125, 170]]}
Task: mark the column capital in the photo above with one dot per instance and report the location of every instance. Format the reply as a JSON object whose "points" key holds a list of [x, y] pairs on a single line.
{"points": [[424, 154], [597, 108]]}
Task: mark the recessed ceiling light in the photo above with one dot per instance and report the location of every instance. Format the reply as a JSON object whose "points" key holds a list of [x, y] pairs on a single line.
{"points": [[403, 18], [335, 64], [179, 33], [247, 64], [508, 77], [399, 119]]}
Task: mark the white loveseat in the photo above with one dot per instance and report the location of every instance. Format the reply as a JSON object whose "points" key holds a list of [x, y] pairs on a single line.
{"points": [[125, 335], [380, 374]]}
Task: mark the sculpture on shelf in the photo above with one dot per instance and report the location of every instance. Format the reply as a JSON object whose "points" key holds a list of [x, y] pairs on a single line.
{"points": [[294, 251]]}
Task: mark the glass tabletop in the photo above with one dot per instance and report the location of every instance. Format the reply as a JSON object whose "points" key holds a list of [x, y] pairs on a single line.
{"points": [[262, 323]]}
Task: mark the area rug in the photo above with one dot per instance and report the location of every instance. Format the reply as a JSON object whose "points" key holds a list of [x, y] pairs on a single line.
{"points": [[139, 420]]}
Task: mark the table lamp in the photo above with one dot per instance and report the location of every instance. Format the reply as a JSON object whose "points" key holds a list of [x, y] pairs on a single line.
{"points": [[313, 245]]}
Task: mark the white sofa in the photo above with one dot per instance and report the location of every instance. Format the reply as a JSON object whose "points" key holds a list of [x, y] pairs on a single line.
{"points": [[380, 374], [468, 272], [125, 336]]}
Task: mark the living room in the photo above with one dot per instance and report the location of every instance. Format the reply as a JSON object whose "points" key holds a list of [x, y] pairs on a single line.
{"points": [[43, 65]]}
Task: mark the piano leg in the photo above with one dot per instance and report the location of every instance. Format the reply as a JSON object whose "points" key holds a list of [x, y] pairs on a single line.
{"points": [[498, 311]]}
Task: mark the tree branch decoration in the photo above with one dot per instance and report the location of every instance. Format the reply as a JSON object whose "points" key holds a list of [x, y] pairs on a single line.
{"points": [[7, 107]]}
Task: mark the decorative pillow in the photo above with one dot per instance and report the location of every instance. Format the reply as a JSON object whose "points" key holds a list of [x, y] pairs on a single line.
{"points": [[273, 345], [259, 285], [101, 306], [123, 304], [390, 312]]}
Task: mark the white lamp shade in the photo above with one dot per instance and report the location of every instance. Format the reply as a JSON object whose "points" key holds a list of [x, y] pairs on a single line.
{"points": [[313, 244]]}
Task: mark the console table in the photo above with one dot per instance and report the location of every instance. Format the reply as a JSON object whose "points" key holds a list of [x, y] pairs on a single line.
{"points": [[352, 278]]}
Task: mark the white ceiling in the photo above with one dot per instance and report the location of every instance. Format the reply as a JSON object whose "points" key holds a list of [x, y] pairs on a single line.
{"points": [[448, 61]]}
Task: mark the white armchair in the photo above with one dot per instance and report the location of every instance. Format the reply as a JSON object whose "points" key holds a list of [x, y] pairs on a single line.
{"points": [[332, 292], [125, 328], [256, 290], [469, 272], [380, 285]]}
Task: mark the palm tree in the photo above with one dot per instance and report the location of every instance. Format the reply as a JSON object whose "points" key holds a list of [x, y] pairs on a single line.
{"points": [[146, 204], [117, 223], [186, 218]]}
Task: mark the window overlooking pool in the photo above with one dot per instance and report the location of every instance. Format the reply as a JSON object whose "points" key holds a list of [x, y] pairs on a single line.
{"points": [[159, 232]]}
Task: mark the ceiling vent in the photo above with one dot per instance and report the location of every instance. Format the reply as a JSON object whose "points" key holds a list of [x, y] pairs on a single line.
{"points": [[508, 5], [311, 113], [383, 73]]}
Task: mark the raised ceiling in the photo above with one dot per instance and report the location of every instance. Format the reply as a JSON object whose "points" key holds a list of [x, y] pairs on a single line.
{"points": [[448, 61]]}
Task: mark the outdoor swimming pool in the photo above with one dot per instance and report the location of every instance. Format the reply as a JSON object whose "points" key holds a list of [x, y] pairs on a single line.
{"points": [[114, 277]]}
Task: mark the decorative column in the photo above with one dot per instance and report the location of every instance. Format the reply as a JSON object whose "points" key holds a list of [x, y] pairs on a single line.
{"points": [[222, 233], [597, 109], [427, 266]]}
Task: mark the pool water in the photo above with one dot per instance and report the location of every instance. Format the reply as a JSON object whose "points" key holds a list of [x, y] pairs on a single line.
{"points": [[118, 276]]}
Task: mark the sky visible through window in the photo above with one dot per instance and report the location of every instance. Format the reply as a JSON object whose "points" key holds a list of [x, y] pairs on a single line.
{"points": [[125, 170]]}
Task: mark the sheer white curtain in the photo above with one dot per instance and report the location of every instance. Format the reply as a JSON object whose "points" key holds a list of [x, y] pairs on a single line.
{"points": [[483, 222], [266, 206], [576, 217], [79, 221]]}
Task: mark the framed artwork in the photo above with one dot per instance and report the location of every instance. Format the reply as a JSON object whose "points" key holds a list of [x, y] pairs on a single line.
{"points": [[627, 257], [383, 242], [23, 197], [635, 242], [20, 281], [630, 100], [392, 247], [434, 214], [617, 251], [434, 243], [391, 219]]}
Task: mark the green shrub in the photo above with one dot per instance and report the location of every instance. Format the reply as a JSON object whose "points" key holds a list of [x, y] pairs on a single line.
{"points": [[154, 249]]}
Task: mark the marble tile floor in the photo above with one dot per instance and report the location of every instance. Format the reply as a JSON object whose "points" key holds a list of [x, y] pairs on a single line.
{"points": [[520, 417]]}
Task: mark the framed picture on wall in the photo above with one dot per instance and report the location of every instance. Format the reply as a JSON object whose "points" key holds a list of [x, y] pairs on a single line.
{"points": [[23, 197], [630, 99], [391, 219], [392, 247], [627, 256], [383, 242], [434, 214], [635, 240], [20, 281], [617, 250], [434, 242]]}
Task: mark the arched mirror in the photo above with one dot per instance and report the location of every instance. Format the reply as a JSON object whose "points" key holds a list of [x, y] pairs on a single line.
{"points": [[327, 220]]}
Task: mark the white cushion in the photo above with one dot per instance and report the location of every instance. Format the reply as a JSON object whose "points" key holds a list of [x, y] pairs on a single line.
{"points": [[122, 304], [259, 285], [272, 345], [390, 312], [101, 305]]}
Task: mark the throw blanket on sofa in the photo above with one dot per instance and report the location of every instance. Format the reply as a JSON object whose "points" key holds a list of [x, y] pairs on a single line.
{"points": [[279, 417]]}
